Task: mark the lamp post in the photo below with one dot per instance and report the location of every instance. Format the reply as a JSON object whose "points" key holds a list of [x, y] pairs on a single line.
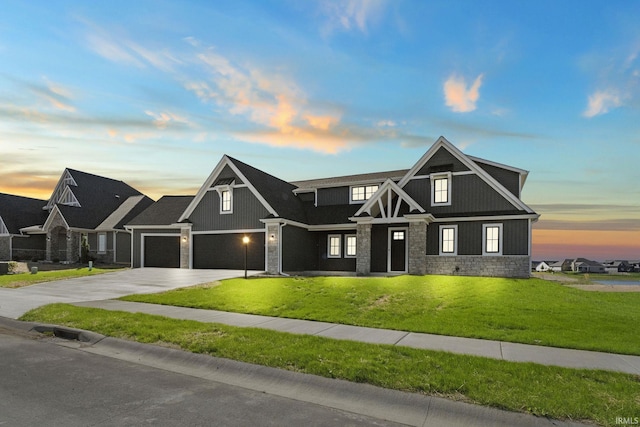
{"points": [[245, 240]]}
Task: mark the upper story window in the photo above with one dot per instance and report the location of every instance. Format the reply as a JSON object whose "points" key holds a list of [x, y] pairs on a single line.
{"points": [[225, 201], [448, 241], [362, 193], [492, 239], [441, 189]]}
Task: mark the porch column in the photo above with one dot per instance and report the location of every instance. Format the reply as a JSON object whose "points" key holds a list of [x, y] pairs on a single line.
{"points": [[48, 248], [363, 249], [273, 248], [185, 248], [417, 247]]}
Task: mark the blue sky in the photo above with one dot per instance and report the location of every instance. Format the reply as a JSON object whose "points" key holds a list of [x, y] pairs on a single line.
{"points": [[154, 92]]}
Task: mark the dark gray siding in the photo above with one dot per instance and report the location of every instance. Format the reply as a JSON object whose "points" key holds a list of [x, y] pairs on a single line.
{"points": [[510, 179], [333, 196], [440, 159], [227, 251], [333, 264], [515, 238], [123, 247], [227, 172], [299, 249], [28, 248], [470, 194], [247, 212]]}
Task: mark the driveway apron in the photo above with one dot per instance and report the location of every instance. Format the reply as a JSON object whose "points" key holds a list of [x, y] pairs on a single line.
{"points": [[15, 302]]}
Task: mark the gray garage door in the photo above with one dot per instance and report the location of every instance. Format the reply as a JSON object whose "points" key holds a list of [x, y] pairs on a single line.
{"points": [[162, 251], [226, 251]]}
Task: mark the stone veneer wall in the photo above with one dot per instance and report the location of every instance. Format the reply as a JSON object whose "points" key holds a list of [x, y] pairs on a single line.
{"points": [[517, 266], [363, 249], [185, 253], [5, 248], [273, 252], [417, 245]]}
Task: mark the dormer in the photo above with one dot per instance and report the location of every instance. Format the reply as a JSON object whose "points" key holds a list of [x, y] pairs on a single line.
{"points": [[60, 192]]}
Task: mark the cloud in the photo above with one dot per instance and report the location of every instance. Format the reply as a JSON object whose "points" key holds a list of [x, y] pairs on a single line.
{"points": [[163, 119], [351, 14], [601, 102], [458, 97]]}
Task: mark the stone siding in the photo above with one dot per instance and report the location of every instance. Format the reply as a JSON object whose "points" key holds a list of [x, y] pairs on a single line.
{"points": [[417, 248], [363, 249], [273, 248], [185, 247], [5, 248], [516, 266]]}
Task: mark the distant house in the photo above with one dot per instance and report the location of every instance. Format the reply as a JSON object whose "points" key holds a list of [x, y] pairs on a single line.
{"points": [[559, 266], [541, 266], [583, 265], [617, 266], [448, 214], [82, 207]]}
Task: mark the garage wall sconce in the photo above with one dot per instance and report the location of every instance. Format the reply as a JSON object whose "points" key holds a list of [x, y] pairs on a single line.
{"points": [[184, 239], [272, 237]]}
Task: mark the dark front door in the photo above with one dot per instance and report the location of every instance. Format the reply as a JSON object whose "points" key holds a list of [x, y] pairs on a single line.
{"points": [[398, 249]]}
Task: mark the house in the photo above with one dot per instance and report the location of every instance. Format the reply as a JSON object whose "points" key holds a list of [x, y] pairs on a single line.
{"points": [[583, 265], [449, 213], [541, 266], [617, 266], [82, 208]]}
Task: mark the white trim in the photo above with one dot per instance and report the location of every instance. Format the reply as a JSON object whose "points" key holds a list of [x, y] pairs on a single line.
{"points": [[346, 245], [68, 194], [432, 181], [333, 236], [59, 190], [142, 237], [47, 223], [4, 231], [386, 188], [455, 240], [156, 227], [98, 249], [488, 218], [115, 247], [359, 202], [484, 239], [245, 230], [390, 232], [221, 189]]}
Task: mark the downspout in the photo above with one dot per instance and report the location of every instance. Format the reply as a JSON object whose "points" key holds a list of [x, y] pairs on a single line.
{"points": [[115, 246]]}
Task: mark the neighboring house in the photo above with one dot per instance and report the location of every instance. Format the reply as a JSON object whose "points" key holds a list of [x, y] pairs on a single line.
{"points": [[583, 265], [83, 206], [448, 214], [541, 266], [617, 266], [17, 212]]}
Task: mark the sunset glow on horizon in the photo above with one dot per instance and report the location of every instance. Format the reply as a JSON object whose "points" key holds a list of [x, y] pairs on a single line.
{"points": [[154, 94]]}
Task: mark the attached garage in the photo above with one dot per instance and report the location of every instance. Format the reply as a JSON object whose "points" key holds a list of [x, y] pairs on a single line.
{"points": [[161, 251], [226, 251]]}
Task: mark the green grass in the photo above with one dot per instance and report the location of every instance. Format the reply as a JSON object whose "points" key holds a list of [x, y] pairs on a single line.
{"points": [[532, 311], [26, 279], [525, 387]]}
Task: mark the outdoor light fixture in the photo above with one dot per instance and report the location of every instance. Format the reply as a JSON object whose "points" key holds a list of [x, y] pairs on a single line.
{"points": [[245, 241], [184, 239], [272, 237]]}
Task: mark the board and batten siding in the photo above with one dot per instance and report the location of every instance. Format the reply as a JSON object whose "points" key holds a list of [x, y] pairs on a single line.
{"points": [[515, 240], [333, 196], [442, 158], [123, 247], [509, 179], [299, 249], [469, 195], [247, 212]]}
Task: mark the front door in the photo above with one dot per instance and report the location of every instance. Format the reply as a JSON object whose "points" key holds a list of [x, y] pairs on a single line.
{"points": [[397, 250]]}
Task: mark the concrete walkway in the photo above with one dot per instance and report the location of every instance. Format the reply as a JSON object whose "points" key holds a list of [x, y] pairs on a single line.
{"points": [[486, 348], [15, 302]]}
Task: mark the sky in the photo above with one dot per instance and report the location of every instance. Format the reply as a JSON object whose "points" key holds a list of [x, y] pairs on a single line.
{"points": [[153, 93]]}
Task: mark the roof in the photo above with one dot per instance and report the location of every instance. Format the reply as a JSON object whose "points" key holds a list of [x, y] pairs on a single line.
{"points": [[18, 212], [131, 207], [165, 211], [337, 181]]}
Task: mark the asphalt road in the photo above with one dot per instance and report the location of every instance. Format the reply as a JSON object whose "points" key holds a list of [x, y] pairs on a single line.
{"points": [[52, 385]]}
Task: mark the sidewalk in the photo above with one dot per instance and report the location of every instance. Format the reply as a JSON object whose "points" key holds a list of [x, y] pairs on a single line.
{"points": [[487, 348]]}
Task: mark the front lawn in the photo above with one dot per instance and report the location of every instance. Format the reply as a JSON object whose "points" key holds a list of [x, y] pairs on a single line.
{"points": [[531, 311], [26, 279], [524, 387]]}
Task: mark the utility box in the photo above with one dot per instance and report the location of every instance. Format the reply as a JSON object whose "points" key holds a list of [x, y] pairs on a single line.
{"points": [[4, 268]]}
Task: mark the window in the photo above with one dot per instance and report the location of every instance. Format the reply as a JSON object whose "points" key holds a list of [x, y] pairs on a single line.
{"points": [[350, 247], [362, 193], [441, 189], [398, 235], [102, 243], [226, 204], [334, 246], [448, 240], [492, 239]]}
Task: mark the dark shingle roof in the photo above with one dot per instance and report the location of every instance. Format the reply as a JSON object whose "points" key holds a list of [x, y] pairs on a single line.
{"points": [[165, 211], [18, 212], [350, 179], [278, 193]]}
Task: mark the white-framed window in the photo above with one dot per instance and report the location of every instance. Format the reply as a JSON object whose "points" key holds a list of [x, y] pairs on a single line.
{"points": [[448, 240], [491, 239], [350, 246], [334, 246], [398, 235], [441, 189], [362, 193], [226, 199], [102, 243]]}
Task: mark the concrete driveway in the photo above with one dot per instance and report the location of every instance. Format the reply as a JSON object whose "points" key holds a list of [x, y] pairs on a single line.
{"points": [[15, 302]]}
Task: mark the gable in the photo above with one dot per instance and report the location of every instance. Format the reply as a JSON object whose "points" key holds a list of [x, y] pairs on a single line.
{"points": [[226, 177], [442, 161], [389, 203]]}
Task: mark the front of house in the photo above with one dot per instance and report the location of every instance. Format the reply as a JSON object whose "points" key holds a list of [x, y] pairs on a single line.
{"points": [[448, 214]]}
